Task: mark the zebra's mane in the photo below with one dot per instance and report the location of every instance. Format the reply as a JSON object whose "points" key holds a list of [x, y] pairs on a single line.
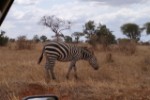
{"points": [[88, 50]]}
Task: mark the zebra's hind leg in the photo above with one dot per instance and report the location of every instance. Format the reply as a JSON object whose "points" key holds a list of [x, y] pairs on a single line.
{"points": [[47, 75], [52, 73], [50, 69], [51, 64]]}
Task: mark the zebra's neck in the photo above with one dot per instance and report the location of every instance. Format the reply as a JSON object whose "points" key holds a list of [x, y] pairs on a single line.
{"points": [[85, 55]]}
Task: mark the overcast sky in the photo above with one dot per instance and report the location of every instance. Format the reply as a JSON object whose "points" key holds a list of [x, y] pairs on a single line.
{"points": [[24, 15]]}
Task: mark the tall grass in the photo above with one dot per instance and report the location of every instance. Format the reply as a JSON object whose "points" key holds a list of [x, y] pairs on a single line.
{"points": [[127, 46]]}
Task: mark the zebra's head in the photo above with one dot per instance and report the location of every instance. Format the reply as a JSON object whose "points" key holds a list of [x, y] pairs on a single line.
{"points": [[90, 57], [93, 62]]}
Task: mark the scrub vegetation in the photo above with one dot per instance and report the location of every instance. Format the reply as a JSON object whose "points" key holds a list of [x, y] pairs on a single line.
{"points": [[123, 74]]}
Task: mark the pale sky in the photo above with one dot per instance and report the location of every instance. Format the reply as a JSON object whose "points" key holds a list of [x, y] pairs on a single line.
{"points": [[25, 15]]}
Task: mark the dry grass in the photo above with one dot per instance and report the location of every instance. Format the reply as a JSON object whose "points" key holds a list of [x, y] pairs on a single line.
{"points": [[126, 77]]}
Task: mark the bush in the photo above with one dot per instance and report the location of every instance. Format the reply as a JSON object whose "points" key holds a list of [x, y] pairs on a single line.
{"points": [[145, 43], [23, 43], [109, 58], [145, 64], [127, 46], [3, 39], [36, 39], [12, 40]]}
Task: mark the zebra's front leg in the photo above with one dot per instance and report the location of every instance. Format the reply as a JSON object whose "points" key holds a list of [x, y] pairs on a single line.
{"points": [[68, 73], [75, 72], [72, 64]]}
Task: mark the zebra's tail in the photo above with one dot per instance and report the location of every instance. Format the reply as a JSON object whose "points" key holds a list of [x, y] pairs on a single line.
{"points": [[41, 57]]}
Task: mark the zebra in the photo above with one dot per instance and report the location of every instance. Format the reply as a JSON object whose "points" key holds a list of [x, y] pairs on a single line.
{"points": [[64, 52]]}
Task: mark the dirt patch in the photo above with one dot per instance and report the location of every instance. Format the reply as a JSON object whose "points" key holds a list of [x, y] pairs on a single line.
{"points": [[35, 89]]}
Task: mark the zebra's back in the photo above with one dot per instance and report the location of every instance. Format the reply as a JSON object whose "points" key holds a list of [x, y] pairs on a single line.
{"points": [[62, 51]]}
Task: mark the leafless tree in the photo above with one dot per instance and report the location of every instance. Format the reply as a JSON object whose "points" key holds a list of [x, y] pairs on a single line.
{"points": [[56, 25]]}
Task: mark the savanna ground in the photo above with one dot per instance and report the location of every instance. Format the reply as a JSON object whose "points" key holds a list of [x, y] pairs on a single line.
{"points": [[124, 77]]}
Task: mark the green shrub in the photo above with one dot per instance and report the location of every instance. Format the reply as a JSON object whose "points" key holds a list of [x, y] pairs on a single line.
{"points": [[3, 39]]}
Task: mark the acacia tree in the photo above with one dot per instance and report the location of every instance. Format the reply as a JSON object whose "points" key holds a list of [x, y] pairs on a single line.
{"points": [[77, 36], [132, 31], [104, 35], [68, 39], [56, 25], [43, 38], [89, 29]]}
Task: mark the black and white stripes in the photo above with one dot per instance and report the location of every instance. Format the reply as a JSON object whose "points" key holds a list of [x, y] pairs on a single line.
{"points": [[66, 52]]}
